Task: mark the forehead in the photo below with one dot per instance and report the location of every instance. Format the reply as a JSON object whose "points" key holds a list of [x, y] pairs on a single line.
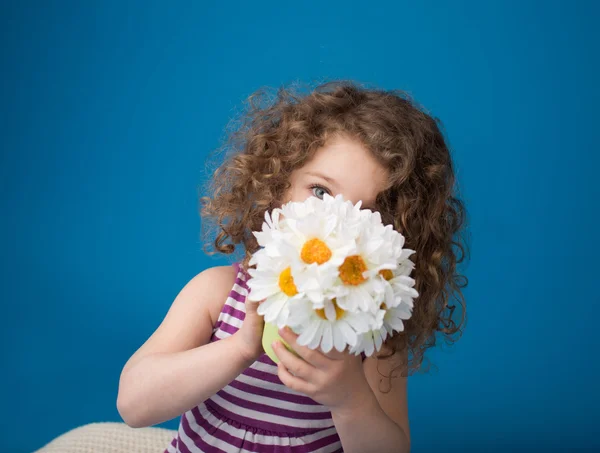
{"points": [[351, 166]]}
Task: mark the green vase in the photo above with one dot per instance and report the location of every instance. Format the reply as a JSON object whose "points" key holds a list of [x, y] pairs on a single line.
{"points": [[271, 334]]}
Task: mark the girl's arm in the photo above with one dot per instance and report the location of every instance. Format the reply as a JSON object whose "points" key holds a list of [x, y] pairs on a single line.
{"points": [[380, 422], [177, 368], [365, 418]]}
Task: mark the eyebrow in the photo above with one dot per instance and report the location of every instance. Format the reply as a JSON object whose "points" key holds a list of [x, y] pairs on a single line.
{"points": [[322, 176]]}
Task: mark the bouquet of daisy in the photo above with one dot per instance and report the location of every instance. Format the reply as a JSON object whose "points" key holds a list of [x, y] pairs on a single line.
{"points": [[333, 273]]}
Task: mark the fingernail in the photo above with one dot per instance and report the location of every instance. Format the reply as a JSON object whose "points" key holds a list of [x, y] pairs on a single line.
{"points": [[274, 344]]}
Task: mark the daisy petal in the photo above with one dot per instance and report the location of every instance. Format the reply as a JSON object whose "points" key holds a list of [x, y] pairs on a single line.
{"points": [[327, 341]]}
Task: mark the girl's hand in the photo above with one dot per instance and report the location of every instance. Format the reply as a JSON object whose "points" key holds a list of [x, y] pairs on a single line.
{"points": [[249, 336], [335, 379]]}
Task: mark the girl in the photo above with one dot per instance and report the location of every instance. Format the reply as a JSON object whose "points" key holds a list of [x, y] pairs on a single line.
{"points": [[206, 361]]}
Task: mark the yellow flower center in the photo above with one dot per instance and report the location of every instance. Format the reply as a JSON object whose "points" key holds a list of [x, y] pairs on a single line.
{"points": [[286, 282], [351, 270], [386, 274], [383, 306], [339, 312], [315, 251]]}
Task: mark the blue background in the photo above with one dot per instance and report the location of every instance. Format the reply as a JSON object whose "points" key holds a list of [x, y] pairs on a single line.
{"points": [[109, 110]]}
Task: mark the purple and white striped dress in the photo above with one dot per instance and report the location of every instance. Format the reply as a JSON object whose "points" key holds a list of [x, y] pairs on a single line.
{"points": [[256, 412]]}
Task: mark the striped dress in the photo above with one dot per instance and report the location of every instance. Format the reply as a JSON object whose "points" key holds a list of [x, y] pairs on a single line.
{"points": [[256, 412]]}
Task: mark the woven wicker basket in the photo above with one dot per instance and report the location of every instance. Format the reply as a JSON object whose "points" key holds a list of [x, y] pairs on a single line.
{"points": [[110, 438]]}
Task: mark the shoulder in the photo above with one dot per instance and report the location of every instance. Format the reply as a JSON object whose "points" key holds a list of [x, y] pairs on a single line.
{"points": [[213, 285], [220, 276], [203, 296]]}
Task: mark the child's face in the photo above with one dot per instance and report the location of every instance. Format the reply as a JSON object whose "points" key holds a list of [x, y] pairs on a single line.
{"points": [[343, 166]]}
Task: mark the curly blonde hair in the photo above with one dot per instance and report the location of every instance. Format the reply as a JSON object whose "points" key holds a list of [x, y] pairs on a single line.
{"points": [[280, 131]]}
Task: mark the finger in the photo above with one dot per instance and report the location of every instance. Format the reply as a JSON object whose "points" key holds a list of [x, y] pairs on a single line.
{"points": [[252, 306], [314, 357], [292, 363], [293, 382]]}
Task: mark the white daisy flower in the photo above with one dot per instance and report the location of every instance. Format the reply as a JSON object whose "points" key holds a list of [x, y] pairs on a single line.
{"points": [[396, 308], [272, 281], [269, 226], [397, 303], [372, 340], [329, 327], [272, 234], [399, 286], [359, 287], [391, 321]]}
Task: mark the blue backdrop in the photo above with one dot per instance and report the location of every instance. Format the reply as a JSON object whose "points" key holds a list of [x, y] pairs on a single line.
{"points": [[109, 110]]}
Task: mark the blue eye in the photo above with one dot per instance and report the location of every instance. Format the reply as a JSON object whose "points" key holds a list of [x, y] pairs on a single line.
{"points": [[319, 191]]}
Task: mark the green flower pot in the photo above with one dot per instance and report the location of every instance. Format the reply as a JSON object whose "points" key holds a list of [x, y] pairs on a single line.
{"points": [[271, 334]]}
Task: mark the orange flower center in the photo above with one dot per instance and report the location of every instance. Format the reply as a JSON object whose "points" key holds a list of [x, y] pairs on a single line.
{"points": [[351, 270], [286, 282], [315, 251], [339, 312], [386, 274]]}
